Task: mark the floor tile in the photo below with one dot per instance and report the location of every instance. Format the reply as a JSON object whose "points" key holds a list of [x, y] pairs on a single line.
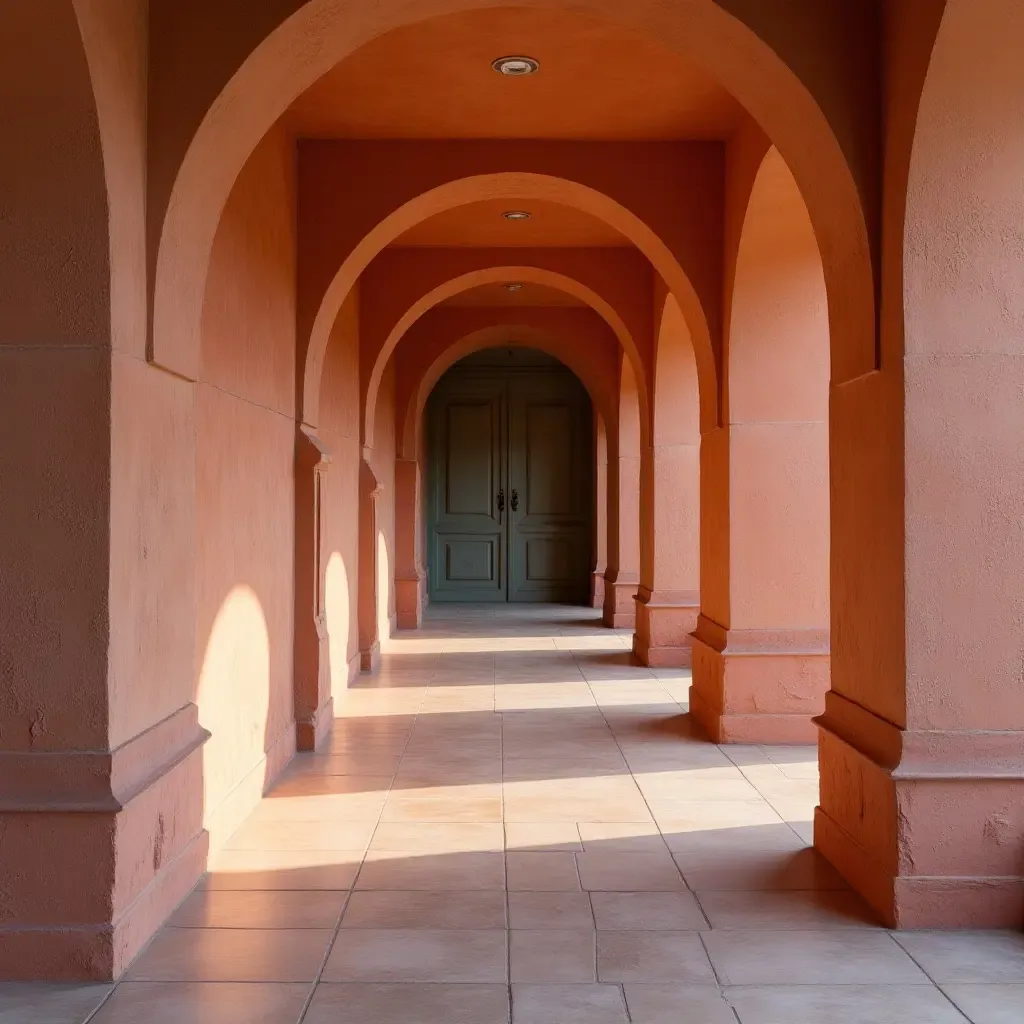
{"points": [[989, 1004], [708, 815], [842, 1004], [345, 764], [703, 848], [565, 911], [440, 837], [786, 910], [29, 1003], [541, 872], [283, 869], [839, 957], [203, 1003], [568, 1004], [498, 756], [967, 957], [422, 805], [552, 957], [613, 798], [302, 835], [647, 911], [387, 909], [677, 1004], [546, 837], [231, 954], [433, 871], [629, 872], [398, 955], [645, 956], [801, 869], [218, 908], [408, 1003], [619, 837]]}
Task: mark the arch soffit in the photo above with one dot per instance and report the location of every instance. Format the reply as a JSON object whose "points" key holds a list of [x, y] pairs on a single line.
{"points": [[675, 394], [511, 186], [319, 34], [491, 275], [963, 188], [494, 336]]}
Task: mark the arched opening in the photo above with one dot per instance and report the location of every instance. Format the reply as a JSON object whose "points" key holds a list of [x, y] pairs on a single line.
{"points": [[668, 598], [509, 481], [761, 644], [241, 245]]}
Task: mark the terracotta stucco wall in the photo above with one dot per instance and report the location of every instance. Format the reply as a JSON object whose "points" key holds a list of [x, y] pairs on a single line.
{"points": [[382, 460], [339, 548], [244, 490]]}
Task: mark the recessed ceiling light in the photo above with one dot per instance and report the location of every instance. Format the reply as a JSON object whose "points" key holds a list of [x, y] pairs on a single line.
{"points": [[515, 67], [516, 215], [513, 287]]}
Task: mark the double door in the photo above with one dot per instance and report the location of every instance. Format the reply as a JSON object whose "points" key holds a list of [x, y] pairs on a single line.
{"points": [[510, 495]]}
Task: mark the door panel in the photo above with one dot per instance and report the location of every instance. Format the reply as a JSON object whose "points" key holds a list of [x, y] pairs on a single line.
{"points": [[549, 470], [466, 531], [510, 428]]}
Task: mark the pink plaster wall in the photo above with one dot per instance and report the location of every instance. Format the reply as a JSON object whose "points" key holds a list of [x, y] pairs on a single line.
{"points": [[964, 267], [339, 513], [55, 335], [382, 459], [778, 411], [245, 437]]}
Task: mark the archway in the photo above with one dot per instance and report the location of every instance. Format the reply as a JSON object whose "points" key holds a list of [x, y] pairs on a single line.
{"points": [[669, 594], [924, 715], [761, 644], [509, 498], [624, 315], [588, 338], [201, 155], [577, 337]]}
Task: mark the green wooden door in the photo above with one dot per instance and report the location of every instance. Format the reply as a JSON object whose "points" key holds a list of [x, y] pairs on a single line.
{"points": [[467, 554], [510, 498], [549, 488]]}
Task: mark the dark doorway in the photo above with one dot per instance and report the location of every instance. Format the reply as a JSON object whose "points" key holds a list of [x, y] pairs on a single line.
{"points": [[510, 495]]}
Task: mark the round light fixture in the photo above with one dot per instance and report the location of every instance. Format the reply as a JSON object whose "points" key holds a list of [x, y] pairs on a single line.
{"points": [[515, 67], [516, 215], [513, 287]]}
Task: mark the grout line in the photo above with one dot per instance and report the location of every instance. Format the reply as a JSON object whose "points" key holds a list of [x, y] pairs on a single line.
{"points": [[103, 1002], [355, 881], [714, 969], [921, 968]]}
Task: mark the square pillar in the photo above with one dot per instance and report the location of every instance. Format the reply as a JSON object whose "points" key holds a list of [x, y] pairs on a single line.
{"points": [[761, 647]]}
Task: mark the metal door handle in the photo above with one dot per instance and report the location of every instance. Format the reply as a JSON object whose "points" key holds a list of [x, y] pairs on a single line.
{"points": [[501, 500], [515, 500]]}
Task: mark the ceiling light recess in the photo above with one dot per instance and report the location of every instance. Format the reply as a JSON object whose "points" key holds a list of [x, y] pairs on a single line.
{"points": [[516, 215], [515, 67]]}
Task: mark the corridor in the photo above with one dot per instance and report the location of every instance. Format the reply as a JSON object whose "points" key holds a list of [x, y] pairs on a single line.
{"points": [[512, 821]]}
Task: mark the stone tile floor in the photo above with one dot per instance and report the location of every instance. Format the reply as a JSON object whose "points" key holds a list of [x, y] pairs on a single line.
{"points": [[513, 822]]}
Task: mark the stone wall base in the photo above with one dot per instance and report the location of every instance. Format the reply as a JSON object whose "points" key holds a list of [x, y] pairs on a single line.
{"points": [[98, 849], [664, 624], [758, 686], [619, 603], [928, 826], [410, 600]]}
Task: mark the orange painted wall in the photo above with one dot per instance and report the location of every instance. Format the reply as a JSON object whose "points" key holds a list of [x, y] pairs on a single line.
{"points": [[339, 554], [244, 491], [382, 460], [778, 413]]}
